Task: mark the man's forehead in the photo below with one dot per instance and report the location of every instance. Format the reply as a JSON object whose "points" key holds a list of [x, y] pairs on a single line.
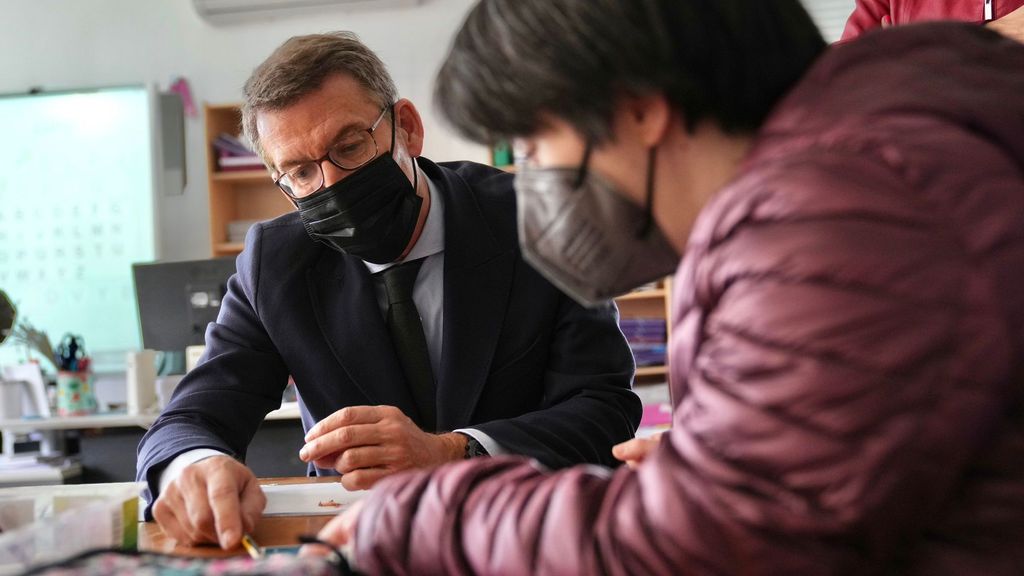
{"points": [[304, 129]]}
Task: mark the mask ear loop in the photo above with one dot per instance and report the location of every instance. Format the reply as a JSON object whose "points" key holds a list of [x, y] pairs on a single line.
{"points": [[336, 556], [645, 229], [392, 108], [581, 176], [415, 175], [415, 167]]}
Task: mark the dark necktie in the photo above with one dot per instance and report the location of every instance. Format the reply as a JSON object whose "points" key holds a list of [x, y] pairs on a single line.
{"points": [[403, 320]]}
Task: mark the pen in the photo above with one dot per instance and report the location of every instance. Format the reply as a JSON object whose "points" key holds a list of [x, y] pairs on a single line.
{"points": [[252, 547]]}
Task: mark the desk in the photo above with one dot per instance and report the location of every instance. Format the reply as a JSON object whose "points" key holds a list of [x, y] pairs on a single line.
{"points": [[287, 411], [106, 443], [25, 471], [273, 531]]}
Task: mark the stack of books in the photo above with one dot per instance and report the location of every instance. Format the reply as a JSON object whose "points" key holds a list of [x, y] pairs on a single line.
{"points": [[646, 337], [234, 155]]}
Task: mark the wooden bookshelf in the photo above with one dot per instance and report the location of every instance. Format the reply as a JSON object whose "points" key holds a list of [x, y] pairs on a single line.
{"points": [[235, 195], [648, 371], [650, 294], [250, 176], [650, 303], [228, 247]]}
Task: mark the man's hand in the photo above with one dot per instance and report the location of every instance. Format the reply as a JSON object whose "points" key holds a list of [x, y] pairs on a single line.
{"points": [[633, 452], [1011, 25], [214, 500], [367, 443]]}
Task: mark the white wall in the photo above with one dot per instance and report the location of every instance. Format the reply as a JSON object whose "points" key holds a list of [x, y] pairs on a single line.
{"points": [[56, 44]]}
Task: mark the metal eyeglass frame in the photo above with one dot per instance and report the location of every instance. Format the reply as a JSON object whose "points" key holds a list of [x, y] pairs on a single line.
{"points": [[320, 161]]}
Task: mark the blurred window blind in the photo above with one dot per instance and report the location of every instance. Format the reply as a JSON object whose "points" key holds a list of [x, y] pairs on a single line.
{"points": [[830, 15]]}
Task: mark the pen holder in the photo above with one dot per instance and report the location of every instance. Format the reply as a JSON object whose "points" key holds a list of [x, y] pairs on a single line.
{"points": [[75, 395]]}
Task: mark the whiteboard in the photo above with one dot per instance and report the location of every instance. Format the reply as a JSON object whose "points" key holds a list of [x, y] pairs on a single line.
{"points": [[76, 210]]}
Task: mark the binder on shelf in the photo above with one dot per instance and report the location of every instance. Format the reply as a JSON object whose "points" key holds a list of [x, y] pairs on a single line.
{"points": [[234, 155], [646, 338]]}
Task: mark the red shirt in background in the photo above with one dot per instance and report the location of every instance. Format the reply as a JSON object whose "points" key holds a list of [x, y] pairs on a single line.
{"points": [[869, 14]]}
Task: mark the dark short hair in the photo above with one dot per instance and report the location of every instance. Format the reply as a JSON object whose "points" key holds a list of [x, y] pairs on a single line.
{"points": [[725, 60], [301, 65]]}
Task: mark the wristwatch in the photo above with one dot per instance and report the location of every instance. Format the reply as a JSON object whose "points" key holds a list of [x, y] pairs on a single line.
{"points": [[473, 448]]}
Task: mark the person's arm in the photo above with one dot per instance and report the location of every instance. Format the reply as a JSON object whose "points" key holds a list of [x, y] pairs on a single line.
{"points": [[220, 404], [586, 409], [588, 405], [843, 378], [1011, 25], [867, 15]]}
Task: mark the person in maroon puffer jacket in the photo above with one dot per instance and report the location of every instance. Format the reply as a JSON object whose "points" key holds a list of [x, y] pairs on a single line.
{"points": [[1003, 16], [847, 363]]}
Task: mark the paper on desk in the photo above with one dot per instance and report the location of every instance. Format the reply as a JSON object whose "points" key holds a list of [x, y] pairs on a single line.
{"points": [[308, 499]]}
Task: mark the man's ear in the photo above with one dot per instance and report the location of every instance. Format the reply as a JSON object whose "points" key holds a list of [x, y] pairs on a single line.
{"points": [[409, 126], [650, 117]]}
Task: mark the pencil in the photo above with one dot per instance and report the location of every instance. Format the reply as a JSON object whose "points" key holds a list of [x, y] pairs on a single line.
{"points": [[252, 547]]}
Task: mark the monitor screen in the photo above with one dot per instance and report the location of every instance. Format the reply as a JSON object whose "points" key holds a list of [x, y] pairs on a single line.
{"points": [[177, 300]]}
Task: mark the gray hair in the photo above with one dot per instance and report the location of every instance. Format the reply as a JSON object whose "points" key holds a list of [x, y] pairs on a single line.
{"points": [[299, 67]]}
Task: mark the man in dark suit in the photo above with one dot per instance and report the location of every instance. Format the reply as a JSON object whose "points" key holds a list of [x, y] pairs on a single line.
{"points": [[396, 298]]}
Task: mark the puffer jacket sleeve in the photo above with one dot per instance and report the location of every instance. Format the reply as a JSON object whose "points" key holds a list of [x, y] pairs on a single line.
{"points": [[867, 15], [841, 360]]}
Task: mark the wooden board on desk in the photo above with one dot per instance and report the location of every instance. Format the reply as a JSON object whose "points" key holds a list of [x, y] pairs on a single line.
{"points": [[307, 499]]}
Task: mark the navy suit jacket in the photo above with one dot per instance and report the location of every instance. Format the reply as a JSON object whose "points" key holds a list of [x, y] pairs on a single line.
{"points": [[521, 361]]}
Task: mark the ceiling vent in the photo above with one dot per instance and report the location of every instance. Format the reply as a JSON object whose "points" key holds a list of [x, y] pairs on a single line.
{"points": [[235, 11]]}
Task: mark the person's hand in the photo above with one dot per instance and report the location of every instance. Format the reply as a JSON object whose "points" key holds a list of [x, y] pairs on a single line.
{"points": [[214, 500], [367, 443], [339, 532], [633, 452], [1011, 25]]}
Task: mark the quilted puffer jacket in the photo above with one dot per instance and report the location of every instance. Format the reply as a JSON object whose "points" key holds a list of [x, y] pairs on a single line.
{"points": [[846, 361], [869, 14]]}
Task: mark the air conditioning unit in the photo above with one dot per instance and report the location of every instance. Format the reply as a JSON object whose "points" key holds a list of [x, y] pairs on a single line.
{"points": [[234, 11]]}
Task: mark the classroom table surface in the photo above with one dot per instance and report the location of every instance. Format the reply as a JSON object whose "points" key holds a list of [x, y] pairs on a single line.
{"points": [[271, 531]]}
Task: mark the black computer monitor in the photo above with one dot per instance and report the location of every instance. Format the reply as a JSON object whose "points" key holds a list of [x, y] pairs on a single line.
{"points": [[177, 300]]}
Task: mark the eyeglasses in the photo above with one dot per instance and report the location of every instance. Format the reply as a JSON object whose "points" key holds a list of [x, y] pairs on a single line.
{"points": [[351, 152]]}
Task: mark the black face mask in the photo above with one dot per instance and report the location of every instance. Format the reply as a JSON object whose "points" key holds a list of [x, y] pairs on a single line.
{"points": [[371, 214]]}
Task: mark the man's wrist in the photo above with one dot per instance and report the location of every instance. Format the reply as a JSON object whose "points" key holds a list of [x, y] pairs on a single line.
{"points": [[182, 461], [473, 448], [453, 446]]}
